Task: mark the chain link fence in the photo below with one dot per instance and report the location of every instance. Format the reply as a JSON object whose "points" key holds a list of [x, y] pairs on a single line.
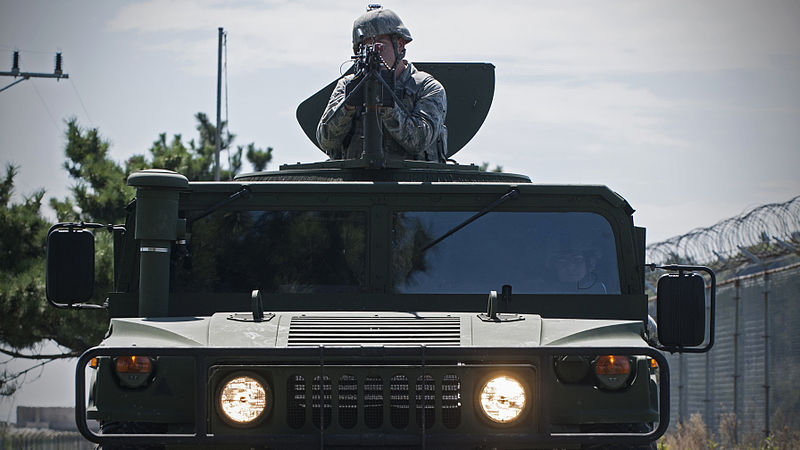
{"points": [[37, 439], [747, 385]]}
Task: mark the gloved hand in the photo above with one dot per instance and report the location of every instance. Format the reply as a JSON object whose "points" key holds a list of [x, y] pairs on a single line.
{"points": [[357, 97], [387, 101]]}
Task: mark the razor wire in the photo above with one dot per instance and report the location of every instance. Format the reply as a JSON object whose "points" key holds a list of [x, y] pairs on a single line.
{"points": [[765, 231]]}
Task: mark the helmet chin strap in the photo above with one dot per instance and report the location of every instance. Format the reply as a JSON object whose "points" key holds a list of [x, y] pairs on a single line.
{"points": [[397, 54]]}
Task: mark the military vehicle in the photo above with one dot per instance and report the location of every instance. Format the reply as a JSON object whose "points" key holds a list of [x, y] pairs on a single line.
{"points": [[372, 302]]}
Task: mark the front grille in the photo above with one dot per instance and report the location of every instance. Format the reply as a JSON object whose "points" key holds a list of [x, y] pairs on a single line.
{"points": [[326, 330], [422, 396]]}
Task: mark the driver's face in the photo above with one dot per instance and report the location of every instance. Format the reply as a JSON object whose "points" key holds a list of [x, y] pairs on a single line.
{"points": [[571, 267]]}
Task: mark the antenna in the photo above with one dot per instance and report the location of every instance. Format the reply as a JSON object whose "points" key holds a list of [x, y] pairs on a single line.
{"points": [[218, 139]]}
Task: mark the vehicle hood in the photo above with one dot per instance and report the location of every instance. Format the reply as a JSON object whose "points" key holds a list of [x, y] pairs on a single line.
{"points": [[295, 329]]}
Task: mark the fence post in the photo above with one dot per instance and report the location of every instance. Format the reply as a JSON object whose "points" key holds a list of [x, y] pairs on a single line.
{"points": [[707, 399], [766, 353], [736, 362], [681, 388]]}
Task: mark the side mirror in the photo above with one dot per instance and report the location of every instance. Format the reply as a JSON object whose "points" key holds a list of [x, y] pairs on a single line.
{"points": [[70, 266], [681, 310]]}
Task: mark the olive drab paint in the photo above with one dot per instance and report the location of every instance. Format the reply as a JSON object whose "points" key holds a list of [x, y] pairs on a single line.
{"points": [[157, 194], [346, 300]]}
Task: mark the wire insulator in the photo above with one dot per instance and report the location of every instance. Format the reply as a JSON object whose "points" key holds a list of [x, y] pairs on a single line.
{"points": [[15, 65], [58, 70]]}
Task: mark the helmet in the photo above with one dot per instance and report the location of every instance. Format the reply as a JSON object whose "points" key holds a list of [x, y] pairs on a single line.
{"points": [[377, 21]]}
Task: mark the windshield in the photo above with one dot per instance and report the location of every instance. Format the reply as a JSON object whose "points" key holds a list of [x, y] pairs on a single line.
{"points": [[534, 252], [275, 251]]}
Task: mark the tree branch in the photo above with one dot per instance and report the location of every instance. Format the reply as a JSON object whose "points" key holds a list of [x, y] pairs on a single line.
{"points": [[53, 356], [16, 375]]}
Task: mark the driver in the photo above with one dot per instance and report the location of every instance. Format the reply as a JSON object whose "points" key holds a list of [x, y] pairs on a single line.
{"points": [[573, 268], [419, 134]]}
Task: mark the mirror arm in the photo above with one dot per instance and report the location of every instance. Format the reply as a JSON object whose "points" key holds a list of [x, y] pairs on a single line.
{"points": [[84, 225], [79, 305], [680, 268]]}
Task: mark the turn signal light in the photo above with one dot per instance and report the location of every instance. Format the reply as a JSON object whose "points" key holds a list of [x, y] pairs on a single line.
{"points": [[134, 371], [134, 364], [612, 371]]}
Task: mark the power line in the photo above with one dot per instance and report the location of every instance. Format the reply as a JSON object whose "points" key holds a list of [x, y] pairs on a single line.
{"points": [[26, 50], [46, 108], [81, 102]]}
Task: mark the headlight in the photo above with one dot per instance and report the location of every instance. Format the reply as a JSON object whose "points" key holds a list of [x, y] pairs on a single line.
{"points": [[503, 399], [612, 371], [243, 400]]}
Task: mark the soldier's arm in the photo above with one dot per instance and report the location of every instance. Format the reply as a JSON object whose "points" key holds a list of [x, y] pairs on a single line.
{"points": [[420, 128], [334, 125]]}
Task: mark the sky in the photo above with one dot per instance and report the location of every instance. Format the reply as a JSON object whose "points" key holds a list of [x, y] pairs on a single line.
{"points": [[690, 110]]}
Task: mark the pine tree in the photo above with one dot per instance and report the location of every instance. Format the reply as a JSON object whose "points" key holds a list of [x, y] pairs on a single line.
{"points": [[99, 194]]}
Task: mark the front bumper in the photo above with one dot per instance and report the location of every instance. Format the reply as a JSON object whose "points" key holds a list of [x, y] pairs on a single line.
{"points": [[393, 396]]}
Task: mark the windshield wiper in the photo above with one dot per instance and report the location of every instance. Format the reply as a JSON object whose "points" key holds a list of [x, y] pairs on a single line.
{"points": [[244, 192], [505, 197]]}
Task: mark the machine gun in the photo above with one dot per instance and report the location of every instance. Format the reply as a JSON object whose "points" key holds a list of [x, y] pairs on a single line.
{"points": [[373, 88], [369, 65]]}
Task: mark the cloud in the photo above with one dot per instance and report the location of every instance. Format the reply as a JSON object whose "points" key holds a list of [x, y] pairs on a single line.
{"points": [[611, 113], [538, 37], [260, 34]]}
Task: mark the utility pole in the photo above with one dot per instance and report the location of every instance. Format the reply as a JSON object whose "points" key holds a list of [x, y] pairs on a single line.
{"points": [[15, 72], [219, 94]]}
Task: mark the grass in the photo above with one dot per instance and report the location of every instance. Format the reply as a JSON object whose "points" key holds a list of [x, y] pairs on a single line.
{"points": [[694, 434]]}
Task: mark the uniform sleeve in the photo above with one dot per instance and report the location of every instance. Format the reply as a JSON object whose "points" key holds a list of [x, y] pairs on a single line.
{"points": [[334, 125], [420, 128]]}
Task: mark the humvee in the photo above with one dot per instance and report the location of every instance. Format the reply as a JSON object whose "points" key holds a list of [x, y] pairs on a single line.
{"points": [[400, 303]]}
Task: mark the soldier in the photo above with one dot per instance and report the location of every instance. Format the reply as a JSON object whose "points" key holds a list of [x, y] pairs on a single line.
{"points": [[416, 133]]}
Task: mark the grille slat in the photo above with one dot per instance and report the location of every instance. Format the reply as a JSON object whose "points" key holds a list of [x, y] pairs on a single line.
{"points": [[321, 401], [451, 401], [348, 401], [321, 330], [296, 402], [373, 401], [425, 397], [399, 399]]}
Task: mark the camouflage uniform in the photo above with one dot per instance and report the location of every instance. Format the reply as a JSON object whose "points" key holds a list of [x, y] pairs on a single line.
{"points": [[420, 134]]}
